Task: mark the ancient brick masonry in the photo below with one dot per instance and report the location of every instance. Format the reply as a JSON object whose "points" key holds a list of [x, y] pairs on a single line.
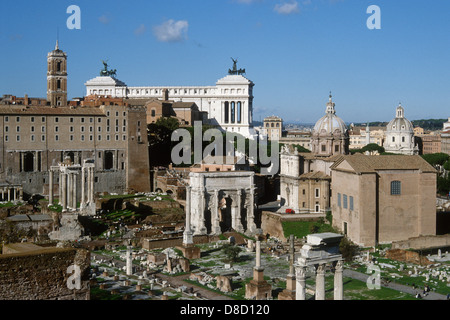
{"points": [[42, 275]]}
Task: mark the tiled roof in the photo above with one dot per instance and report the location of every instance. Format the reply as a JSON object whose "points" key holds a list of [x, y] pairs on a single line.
{"points": [[364, 163]]}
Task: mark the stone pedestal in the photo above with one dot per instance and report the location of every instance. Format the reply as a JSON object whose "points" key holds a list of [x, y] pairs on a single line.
{"points": [[190, 251], [258, 288], [289, 292]]}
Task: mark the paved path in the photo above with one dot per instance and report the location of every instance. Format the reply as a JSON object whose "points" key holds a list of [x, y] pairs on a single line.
{"points": [[396, 286]]}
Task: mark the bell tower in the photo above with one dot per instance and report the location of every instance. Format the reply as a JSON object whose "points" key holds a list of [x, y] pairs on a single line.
{"points": [[57, 77]]}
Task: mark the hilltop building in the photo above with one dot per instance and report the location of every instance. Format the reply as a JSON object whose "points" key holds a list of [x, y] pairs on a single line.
{"points": [[228, 104], [400, 135]]}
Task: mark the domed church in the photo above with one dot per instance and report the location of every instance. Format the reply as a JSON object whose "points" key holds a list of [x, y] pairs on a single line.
{"points": [[330, 134], [400, 135]]}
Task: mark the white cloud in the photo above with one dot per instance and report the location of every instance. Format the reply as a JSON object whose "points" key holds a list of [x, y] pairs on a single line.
{"points": [[287, 8], [171, 31]]}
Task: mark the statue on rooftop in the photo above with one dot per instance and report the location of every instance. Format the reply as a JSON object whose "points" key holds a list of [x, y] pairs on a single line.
{"points": [[235, 70], [105, 72]]}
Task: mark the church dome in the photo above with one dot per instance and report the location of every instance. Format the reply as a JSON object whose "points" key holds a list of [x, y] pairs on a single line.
{"points": [[330, 123], [400, 123]]}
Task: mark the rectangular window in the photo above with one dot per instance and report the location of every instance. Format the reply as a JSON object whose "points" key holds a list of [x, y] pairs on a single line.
{"points": [[317, 192], [42, 138], [18, 119], [396, 188], [32, 138], [56, 138], [56, 128], [6, 128], [339, 200], [345, 201], [32, 119], [6, 119], [351, 203], [43, 119], [43, 129], [32, 128], [56, 119]]}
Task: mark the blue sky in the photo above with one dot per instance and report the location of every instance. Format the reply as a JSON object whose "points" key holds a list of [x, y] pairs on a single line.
{"points": [[295, 51]]}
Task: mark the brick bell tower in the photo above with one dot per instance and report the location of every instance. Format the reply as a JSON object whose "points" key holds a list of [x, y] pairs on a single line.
{"points": [[57, 77]]}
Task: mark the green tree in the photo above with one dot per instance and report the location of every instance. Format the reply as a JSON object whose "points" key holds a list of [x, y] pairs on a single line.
{"points": [[436, 158], [372, 147], [347, 248], [231, 252]]}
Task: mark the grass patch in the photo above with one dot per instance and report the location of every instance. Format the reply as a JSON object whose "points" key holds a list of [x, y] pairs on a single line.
{"points": [[301, 229]]}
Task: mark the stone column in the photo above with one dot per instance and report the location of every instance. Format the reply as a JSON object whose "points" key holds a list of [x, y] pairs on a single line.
{"points": [[129, 267], [60, 186], [21, 194], [300, 276], [251, 226], [237, 216], [258, 255], [215, 214], [63, 187], [295, 204], [201, 222], [69, 190], [50, 187], [338, 282], [320, 282], [74, 190], [91, 185], [83, 186], [187, 235], [3, 194]]}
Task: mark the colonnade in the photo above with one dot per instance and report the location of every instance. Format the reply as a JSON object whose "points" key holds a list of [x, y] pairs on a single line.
{"points": [[11, 193], [67, 192], [319, 270]]}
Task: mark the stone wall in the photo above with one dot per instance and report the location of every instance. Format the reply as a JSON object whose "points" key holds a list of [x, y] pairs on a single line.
{"points": [[271, 223], [149, 244], [407, 256], [42, 275], [423, 242]]}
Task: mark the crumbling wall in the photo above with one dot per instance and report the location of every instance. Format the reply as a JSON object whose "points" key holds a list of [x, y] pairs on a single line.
{"points": [[407, 256], [43, 275]]}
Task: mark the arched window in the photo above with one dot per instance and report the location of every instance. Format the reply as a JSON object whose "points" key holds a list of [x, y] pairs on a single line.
{"points": [[396, 188], [226, 110], [153, 112]]}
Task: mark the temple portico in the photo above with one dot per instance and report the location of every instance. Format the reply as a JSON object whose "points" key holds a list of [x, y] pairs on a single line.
{"points": [[320, 251]]}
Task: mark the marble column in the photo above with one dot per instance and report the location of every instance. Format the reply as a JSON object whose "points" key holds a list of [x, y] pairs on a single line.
{"points": [[201, 219], [60, 187], [50, 187], [215, 223], [129, 262], [69, 190], [251, 226], [9, 194], [63, 187], [74, 190], [300, 276], [320, 282], [338, 281], [83, 186], [237, 216], [187, 235], [258, 255]]}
